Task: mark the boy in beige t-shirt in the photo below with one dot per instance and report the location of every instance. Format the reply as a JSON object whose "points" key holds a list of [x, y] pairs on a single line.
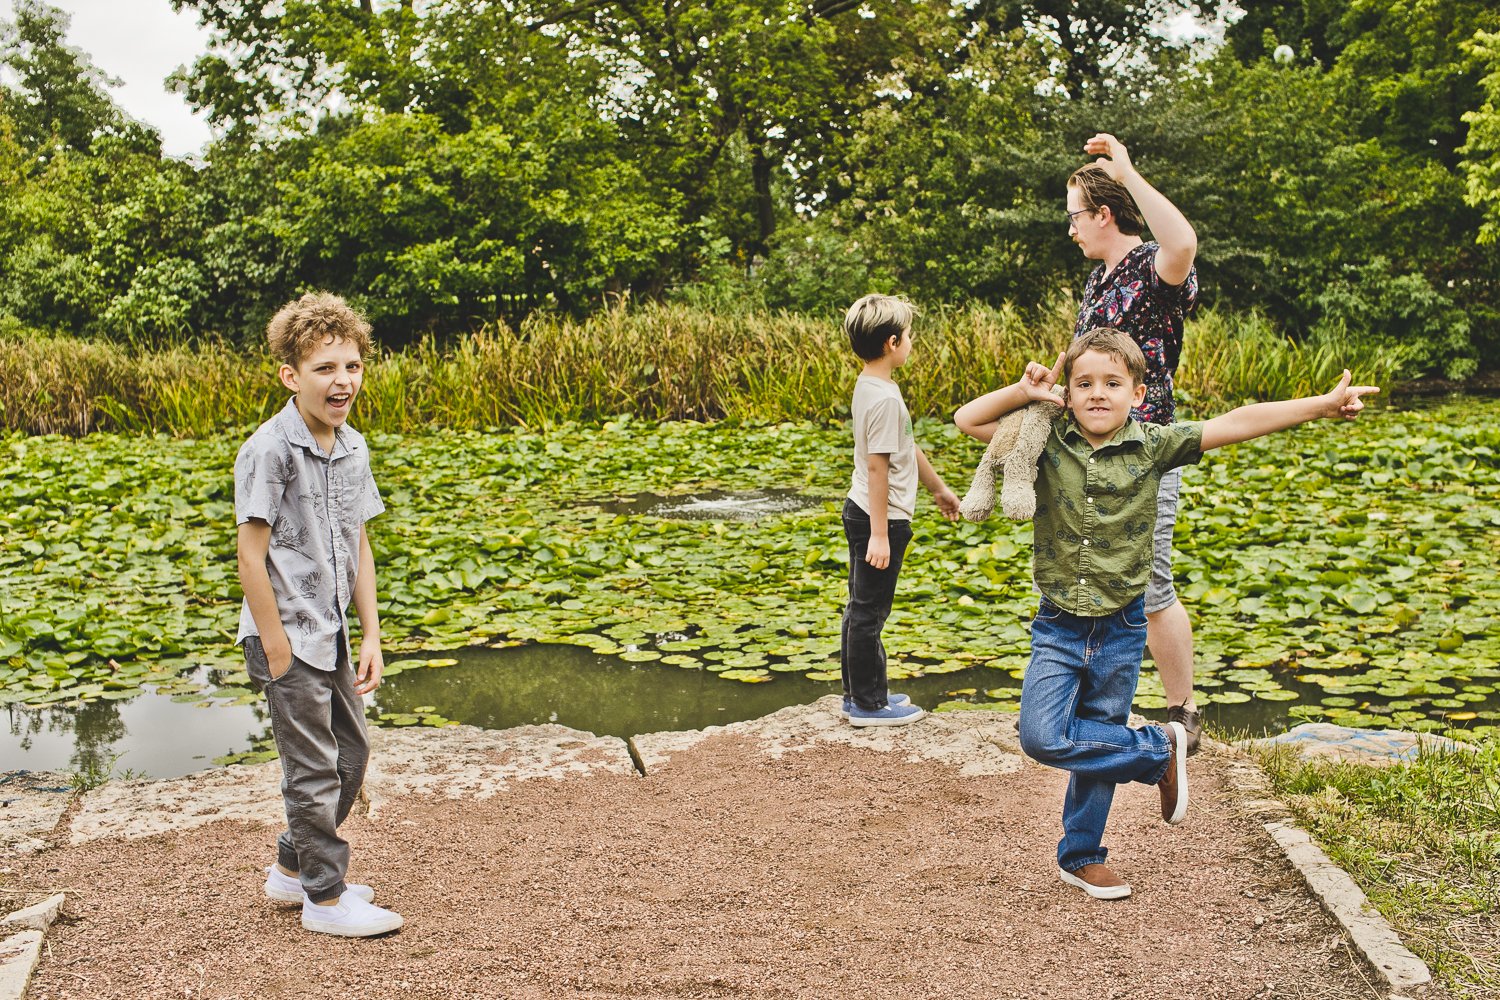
{"points": [[878, 511]]}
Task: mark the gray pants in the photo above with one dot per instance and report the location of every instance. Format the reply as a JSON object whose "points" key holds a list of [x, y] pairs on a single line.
{"points": [[319, 725], [1160, 593]]}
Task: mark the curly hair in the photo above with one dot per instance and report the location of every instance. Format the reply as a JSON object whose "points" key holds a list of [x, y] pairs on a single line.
{"points": [[316, 318], [1099, 189]]}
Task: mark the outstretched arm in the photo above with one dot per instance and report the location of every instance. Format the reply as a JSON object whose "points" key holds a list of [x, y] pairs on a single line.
{"points": [[1174, 234], [980, 417], [1259, 419]]}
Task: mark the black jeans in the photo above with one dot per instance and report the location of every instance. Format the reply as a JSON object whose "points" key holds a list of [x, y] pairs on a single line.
{"points": [[871, 590]]}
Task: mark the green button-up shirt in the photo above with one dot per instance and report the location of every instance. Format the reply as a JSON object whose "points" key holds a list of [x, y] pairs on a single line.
{"points": [[1096, 507]]}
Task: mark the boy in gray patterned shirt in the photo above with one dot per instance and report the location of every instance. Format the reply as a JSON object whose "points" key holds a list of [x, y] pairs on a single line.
{"points": [[303, 491]]}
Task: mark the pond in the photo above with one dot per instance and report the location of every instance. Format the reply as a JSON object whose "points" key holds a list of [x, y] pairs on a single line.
{"points": [[1346, 572], [163, 736]]}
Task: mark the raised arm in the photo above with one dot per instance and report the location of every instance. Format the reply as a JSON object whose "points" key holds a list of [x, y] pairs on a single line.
{"points": [[979, 418], [1260, 419], [1173, 233]]}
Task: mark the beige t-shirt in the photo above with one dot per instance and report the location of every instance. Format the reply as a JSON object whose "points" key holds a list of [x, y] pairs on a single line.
{"points": [[882, 426]]}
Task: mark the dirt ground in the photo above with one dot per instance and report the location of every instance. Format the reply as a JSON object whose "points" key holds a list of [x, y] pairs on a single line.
{"points": [[833, 874]]}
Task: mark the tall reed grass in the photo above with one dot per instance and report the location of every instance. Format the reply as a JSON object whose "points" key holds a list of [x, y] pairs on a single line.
{"points": [[657, 362]]}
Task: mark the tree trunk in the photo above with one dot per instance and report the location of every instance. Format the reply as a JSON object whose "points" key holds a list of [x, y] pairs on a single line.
{"points": [[765, 209]]}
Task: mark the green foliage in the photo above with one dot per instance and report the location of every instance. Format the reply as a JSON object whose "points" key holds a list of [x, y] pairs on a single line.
{"points": [[492, 161], [62, 101], [119, 567], [442, 230], [655, 362], [1422, 840], [104, 241], [1402, 311], [1481, 165]]}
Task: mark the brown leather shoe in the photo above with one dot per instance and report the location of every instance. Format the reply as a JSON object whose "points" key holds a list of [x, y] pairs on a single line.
{"points": [[1174, 785], [1191, 721], [1098, 881]]}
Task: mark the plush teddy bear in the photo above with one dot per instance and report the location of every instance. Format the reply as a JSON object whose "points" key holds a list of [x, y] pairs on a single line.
{"points": [[1013, 452]]}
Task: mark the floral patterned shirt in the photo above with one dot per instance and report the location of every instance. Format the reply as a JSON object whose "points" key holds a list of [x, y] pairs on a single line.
{"points": [[1133, 299]]}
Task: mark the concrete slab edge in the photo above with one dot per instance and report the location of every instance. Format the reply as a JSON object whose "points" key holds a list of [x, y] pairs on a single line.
{"points": [[19, 955], [1376, 941], [37, 917], [21, 951]]}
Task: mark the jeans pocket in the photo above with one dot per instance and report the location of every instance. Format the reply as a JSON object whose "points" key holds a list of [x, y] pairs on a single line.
{"points": [[1047, 611], [276, 677], [258, 666], [1130, 614]]}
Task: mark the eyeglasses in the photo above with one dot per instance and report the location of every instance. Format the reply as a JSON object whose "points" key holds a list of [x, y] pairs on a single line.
{"points": [[1068, 221]]}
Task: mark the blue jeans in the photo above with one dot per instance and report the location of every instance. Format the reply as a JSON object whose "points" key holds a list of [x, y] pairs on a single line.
{"points": [[1075, 702], [871, 591]]}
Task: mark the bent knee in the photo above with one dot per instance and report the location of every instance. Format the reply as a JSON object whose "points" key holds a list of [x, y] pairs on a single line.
{"points": [[1042, 745]]}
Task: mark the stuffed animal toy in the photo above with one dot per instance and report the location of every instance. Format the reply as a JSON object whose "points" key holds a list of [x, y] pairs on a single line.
{"points": [[1013, 453]]}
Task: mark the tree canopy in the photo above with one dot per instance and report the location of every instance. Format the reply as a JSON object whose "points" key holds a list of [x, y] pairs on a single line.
{"points": [[453, 162]]}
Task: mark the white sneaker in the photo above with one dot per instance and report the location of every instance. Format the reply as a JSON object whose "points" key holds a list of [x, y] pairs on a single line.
{"points": [[349, 917], [286, 889]]}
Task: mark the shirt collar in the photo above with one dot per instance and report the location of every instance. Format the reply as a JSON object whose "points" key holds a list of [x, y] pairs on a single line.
{"points": [[1069, 429], [297, 433]]}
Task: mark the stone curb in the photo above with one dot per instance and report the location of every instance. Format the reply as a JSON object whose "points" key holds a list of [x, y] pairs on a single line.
{"points": [[20, 952], [1376, 941]]}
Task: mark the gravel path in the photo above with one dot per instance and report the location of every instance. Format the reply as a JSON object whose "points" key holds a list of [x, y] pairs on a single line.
{"points": [[839, 872]]}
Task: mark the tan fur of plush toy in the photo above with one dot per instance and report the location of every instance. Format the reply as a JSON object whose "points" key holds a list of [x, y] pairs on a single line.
{"points": [[1013, 453]]}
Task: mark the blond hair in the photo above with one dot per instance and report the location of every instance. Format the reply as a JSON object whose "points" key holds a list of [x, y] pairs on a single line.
{"points": [[875, 319], [316, 318], [1107, 340]]}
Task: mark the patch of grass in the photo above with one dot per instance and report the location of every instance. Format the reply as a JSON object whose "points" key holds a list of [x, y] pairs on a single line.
{"points": [[94, 773], [654, 362], [1422, 839]]}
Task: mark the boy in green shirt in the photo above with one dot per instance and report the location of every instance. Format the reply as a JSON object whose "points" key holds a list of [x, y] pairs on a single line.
{"points": [[1096, 504]]}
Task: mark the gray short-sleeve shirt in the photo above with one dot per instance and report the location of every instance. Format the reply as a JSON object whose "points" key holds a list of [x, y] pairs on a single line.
{"points": [[316, 504]]}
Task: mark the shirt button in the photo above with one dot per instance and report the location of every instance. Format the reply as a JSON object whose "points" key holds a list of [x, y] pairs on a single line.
{"points": [[1085, 541], [1082, 580], [1091, 461], [1089, 499]]}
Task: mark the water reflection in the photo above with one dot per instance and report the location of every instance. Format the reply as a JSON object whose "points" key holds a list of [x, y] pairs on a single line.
{"points": [[155, 735], [715, 505], [149, 735]]}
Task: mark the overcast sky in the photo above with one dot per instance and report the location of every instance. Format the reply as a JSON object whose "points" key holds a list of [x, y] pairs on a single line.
{"points": [[140, 42]]}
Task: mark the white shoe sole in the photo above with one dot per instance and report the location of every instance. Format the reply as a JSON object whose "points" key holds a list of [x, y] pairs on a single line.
{"points": [[1097, 891], [1179, 766], [334, 927], [904, 720], [843, 714]]}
